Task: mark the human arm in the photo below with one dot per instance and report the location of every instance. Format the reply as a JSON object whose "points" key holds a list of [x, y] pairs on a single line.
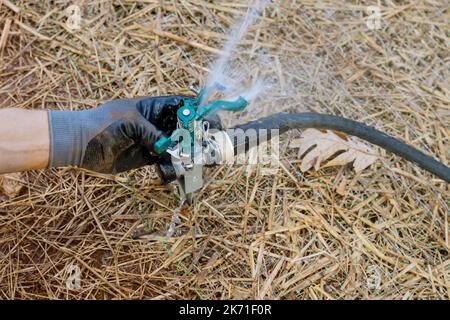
{"points": [[24, 140], [114, 137]]}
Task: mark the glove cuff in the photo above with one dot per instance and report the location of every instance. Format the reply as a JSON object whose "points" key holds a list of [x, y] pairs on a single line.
{"points": [[66, 135]]}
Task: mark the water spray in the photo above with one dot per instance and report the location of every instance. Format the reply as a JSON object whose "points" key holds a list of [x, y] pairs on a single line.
{"points": [[192, 145]]}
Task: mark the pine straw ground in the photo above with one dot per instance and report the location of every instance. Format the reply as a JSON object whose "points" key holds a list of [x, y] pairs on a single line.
{"points": [[285, 236]]}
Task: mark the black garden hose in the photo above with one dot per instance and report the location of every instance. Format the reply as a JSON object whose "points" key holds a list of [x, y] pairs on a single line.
{"points": [[288, 121]]}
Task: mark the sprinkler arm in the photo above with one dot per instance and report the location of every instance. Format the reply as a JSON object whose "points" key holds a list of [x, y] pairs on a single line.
{"points": [[237, 105]]}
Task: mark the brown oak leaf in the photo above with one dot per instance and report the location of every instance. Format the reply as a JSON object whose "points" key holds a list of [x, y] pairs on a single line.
{"points": [[317, 146]]}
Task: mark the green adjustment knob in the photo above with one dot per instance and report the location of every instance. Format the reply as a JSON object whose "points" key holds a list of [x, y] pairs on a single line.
{"points": [[162, 144]]}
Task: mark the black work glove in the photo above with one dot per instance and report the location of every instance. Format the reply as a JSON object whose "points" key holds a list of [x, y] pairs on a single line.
{"points": [[114, 137]]}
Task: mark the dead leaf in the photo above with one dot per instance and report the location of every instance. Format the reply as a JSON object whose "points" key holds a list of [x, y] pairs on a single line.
{"points": [[318, 146], [10, 184]]}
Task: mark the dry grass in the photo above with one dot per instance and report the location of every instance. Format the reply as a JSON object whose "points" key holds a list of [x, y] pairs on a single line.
{"points": [[287, 236]]}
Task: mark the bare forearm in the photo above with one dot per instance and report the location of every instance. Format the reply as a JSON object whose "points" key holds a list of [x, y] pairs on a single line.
{"points": [[24, 140]]}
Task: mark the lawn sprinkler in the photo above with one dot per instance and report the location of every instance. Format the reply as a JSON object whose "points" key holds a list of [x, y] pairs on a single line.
{"points": [[192, 144]]}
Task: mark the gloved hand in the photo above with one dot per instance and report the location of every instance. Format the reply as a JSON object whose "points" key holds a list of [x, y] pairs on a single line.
{"points": [[114, 137]]}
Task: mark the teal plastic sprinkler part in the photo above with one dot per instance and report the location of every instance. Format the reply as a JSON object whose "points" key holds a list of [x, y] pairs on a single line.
{"points": [[192, 111]]}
